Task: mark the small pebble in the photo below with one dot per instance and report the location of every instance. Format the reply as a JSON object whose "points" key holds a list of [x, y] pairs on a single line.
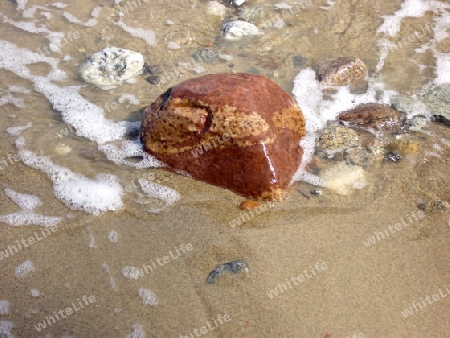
{"points": [[250, 205], [216, 8], [154, 79], [62, 149], [235, 30], [232, 267], [111, 66], [316, 191], [298, 60], [393, 156]]}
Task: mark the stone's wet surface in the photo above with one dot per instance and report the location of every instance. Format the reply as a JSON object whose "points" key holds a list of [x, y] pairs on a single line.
{"points": [[374, 116], [336, 136], [342, 71], [111, 66], [238, 29], [237, 131]]}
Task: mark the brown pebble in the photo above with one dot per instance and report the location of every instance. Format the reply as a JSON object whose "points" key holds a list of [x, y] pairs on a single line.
{"points": [[342, 71], [375, 116], [250, 205]]}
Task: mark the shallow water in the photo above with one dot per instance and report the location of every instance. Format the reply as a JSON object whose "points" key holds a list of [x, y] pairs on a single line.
{"points": [[363, 289]]}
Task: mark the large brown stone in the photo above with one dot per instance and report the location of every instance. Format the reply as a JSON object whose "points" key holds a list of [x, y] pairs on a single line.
{"points": [[236, 131]]}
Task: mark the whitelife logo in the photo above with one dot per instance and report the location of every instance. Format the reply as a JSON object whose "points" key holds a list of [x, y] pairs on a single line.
{"points": [[52, 319]]}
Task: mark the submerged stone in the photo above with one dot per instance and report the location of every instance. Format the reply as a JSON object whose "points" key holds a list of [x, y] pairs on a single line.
{"points": [[236, 131], [111, 66], [238, 29], [374, 116], [342, 71]]}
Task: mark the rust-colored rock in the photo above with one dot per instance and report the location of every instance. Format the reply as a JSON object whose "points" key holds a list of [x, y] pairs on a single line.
{"points": [[236, 131], [250, 205], [375, 116]]}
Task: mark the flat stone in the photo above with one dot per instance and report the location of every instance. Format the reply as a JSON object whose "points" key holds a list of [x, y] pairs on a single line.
{"points": [[336, 136], [374, 116], [238, 29], [437, 101], [343, 71], [111, 66], [236, 131], [231, 267]]}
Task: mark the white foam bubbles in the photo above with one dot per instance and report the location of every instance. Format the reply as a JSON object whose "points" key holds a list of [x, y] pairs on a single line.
{"points": [[5, 328], [442, 68], [17, 130], [24, 269], [129, 149], [113, 236], [409, 8], [131, 272], [4, 307], [154, 190], [94, 196], [90, 195], [35, 293], [27, 203], [148, 297], [138, 332], [23, 201], [147, 35]]}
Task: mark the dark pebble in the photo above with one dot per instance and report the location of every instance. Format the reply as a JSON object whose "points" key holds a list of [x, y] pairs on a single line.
{"points": [[154, 79], [441, 119], [393, 156], [232, 267], [298, 60], [153, 69]]}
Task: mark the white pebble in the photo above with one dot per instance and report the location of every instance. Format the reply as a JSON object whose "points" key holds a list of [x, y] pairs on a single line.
{"points": [[148, 297], [62, 149], [111, 66], [216, 8], [235, 30]]}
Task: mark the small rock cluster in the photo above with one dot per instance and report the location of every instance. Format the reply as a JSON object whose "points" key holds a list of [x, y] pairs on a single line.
{"points": [[360, 137], [243, 24]]}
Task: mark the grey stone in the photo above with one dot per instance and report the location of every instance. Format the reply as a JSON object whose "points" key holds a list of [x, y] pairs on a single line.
{"points": [[238, 29], [111, 66]]}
